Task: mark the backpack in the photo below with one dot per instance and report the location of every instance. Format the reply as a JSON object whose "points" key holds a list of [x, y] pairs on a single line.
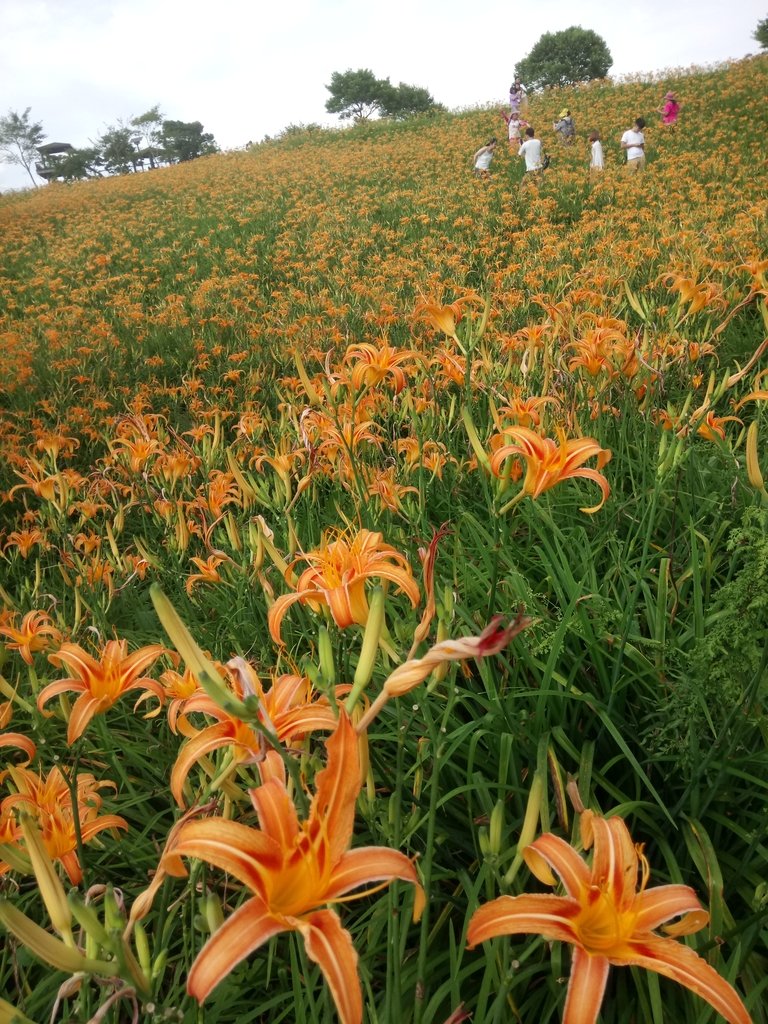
{"points": [[546, 162]]}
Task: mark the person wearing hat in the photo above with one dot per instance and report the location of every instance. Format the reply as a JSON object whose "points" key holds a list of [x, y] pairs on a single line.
{"points": [[669, 110], [565, 127]]}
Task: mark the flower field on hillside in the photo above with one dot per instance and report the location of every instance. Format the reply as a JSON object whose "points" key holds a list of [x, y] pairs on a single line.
{"points": [[383, 577]]}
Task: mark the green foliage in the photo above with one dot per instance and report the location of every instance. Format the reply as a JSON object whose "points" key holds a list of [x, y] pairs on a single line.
{"points": [[150, 127], [761, 33], [19, 139], [403, 100], [354, 94], [80, 164], [717, 687], [359, 95], [185, 140], [118, 149], [564, 58]]}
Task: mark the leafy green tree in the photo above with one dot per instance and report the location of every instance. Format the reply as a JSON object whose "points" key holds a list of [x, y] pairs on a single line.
{"points": [[118, 148], [80, 164], [150, 127], [356, 94], [761, 33], [563, 58], [186, 140], [403, 100], [19, 139]]}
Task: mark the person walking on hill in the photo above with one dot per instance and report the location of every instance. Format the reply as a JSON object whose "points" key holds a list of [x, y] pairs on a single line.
{"points": [[565, 127], [517, 95], [531, 151], [669, 110], [596, 163], [633, 143], [482, 159]]}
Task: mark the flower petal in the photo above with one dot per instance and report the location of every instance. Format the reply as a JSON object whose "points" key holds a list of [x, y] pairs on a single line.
{"points": [[373, 864], [83, 710], [277, 813], [678, 962], [337, 787], [243, 852], [562, 858], [210, 738], [655, 906], [248, 928], [550, 916], [615, 862], [586, 988], [330, 947]]}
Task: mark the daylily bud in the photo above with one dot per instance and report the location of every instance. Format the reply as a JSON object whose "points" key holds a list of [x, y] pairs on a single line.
{"points": [[142, 948], [214, 915], [474, 440], [88, 920], [47, 948], [496, 828], [325, 657], [201, 667], [10, 1015], [233, 533], [159, 965], [371, 637], [48, 882], [113, 919], [312, 395], [753, 465]]}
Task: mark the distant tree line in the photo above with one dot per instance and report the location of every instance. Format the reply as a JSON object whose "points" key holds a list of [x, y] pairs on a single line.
{"points": [[147, 141]]}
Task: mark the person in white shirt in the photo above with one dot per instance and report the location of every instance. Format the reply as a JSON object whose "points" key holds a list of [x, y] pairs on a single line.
{"points": [[482, 159], [531, 150], [633, 141], [596, 163]]}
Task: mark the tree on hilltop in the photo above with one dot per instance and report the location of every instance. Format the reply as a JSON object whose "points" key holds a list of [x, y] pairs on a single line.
{"points": [[19, 139], [149, 126], [564, 58], [360, 94], [401, 101], [761, 33], [354, 94], [186, 140], [118, 148]]}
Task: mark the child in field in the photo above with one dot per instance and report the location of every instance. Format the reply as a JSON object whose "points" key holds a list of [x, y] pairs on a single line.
{"points": [[669, 110], [515, 128], [565, 127], [482, 159], [596, 164]]}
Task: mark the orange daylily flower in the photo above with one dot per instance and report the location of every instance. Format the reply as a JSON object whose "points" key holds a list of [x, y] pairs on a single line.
{"points": [[209, 571], [372, 364], [712, 426], [100, 683], [49, 801], [35, 633], [444, 318], [289, 709], [292, 868], [548, 462], [25, 540], [606, 920], [336, 577]]}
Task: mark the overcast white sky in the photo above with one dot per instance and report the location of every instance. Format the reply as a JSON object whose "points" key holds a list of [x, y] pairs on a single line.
{"points": [[247, 68]]}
